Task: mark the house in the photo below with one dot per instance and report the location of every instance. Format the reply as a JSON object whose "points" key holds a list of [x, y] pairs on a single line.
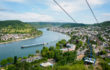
{"points": [[2, 69], [46, 64], [108, 55], [64, 49], [31, 59], [80, 57], [96, 51], [69, 47], [50, 62], [103, 56], [107, 50]]}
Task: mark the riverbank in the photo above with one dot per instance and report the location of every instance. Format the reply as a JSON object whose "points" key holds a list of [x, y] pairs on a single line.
{"points": [[59, 30], [26, 38]]}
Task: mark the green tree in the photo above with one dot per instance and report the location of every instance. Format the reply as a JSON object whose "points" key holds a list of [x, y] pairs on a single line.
{"points": [[30, 55], [105, 66], [57, 47], [51, 54], [44, 51], [11, 67], [37, 51], [3, 62], [79, 44], [51, 48], [58, 55], [90, 67], [103, 52], [58, 44], [15, 59], [24, 66], [25, 57], [10, 60], [62, 41], [72, 67]]}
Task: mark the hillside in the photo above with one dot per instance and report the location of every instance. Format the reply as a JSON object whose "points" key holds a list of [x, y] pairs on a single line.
{"points": [[105, 23], [50, 24], [46, 24], [15, 29], [73, 25]]}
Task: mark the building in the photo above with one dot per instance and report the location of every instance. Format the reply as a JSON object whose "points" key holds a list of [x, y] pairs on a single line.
{"points": [[72, 46], [64, 49], [31, 59], [46, 64], [108, 55], [69, 47], [50, 62], [80, 57]]}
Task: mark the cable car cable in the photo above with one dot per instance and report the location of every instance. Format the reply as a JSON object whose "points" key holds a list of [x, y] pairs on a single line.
{"points": [[65, 11], [92, 11]]}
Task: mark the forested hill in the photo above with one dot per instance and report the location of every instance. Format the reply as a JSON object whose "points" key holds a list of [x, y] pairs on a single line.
{"points": [[73, 25], [45, 24], [15, 26], [49, 24], [103, 24]]}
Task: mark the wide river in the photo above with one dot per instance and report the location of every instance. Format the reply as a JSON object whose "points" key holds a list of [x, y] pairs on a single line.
{"points": [[14, 48]]}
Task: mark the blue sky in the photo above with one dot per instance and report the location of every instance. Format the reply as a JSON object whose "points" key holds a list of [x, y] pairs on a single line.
{"points": [[48, 11]]}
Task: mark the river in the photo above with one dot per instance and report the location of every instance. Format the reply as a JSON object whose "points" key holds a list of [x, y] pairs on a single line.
{"points": [[14, 48]]}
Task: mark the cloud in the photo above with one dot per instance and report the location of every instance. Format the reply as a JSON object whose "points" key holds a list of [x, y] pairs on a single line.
{"points": [[26, 17], [1, 9], [104, 17], [18, 1], [68, 6], [106, 14], [75, 5], [4, 10], [97, 2]]}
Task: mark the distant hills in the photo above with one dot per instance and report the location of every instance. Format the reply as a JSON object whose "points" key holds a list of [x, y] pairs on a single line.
{"points": [[22, 25], [60, 24], [105, 23], [45, 24], [102, 24], [73, 25]]}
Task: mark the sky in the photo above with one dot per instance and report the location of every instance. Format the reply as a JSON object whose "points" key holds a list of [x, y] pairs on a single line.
{"points": [[48, 11]]}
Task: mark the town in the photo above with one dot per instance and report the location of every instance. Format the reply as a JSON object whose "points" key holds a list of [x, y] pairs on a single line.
{"points": [[87, 47], [99, 37]]}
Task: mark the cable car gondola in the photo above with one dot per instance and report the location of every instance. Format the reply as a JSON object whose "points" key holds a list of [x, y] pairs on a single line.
{"points": [[90, 58]]}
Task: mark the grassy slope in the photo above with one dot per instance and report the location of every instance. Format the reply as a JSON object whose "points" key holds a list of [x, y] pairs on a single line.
{"points": [[18, 27]]}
